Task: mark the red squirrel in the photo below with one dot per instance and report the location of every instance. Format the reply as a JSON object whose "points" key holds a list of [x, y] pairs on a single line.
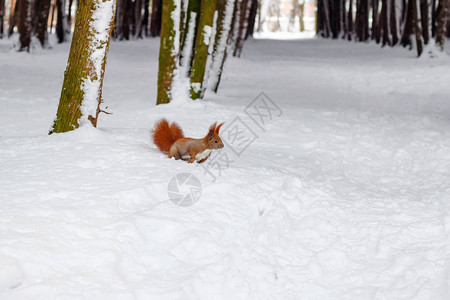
{"points": [[170, 140]]}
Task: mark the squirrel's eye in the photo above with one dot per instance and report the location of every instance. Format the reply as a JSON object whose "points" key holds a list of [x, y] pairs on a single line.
{"points": [[215, 142]]}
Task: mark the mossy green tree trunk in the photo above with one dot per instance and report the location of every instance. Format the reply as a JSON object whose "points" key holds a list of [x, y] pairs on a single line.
{"points": [[169, 49], [82, 87], [204, 38]]}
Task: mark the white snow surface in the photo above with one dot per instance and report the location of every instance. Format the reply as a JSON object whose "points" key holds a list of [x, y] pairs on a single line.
{"points": [[345, 195]]}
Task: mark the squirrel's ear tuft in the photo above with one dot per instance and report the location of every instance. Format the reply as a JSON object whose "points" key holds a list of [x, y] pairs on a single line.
{"points": [[213, 127], [218, 128]]}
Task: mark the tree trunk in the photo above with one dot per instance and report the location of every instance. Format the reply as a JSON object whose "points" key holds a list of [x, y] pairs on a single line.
{"points": [[424, 12], [417, 26], [169, 50], [375, 23], [441, 26], [408, 29], [362, 20], [244, 8], [25, 24], [234, 4], [190, 34], [204, 37], [53, 12], [61, 21], [2, 13], [143, 25], [69, 15], [350, 24], [13, 16], [224, 27], [156, 17], [42, 12], [393, 23], [252, 18], [301, 17], [83, 80]]}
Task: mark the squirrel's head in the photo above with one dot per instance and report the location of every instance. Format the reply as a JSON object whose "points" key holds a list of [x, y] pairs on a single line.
{"points": [[213, 139]]}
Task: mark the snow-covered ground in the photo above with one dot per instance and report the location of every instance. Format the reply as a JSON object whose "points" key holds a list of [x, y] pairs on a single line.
{"points": [[342, 193]]}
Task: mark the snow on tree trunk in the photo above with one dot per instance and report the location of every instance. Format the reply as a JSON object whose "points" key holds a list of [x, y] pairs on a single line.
{"points": [[25, 24], [203, 40], [244, 11], [169, 49], [82, 87], [224, 22], [441, 26], [190, 33]]}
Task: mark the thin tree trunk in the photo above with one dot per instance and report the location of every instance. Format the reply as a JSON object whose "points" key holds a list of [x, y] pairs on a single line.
{"points": [[244, 9], [234, 4], [69, 15], [13, 16], [442, 19], [375, 24], [393, 23], [408, 28], [25, 24], [251, 18], [53, 10], [81, 93], [190, 32], [169, 50], [61, 21], [156, 18], [203, 40], [350, 20], [417, 26], [2, 14], [424, 13], [301, 16], [42, 12]]}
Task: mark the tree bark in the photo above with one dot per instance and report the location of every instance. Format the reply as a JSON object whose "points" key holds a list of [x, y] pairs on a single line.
{"points": [[417, 26], [244, 8], [83, 79], [25, 24], [168, 51], [202, 42], [393, 23], [2, 14], [61, 21], [156, 18], [408, 28], [252, 18], [375, 23], [13, 16], [42, 12], [442, 19]]}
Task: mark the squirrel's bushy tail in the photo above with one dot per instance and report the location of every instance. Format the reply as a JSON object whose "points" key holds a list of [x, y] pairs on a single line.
{"points": [[164, 135]]}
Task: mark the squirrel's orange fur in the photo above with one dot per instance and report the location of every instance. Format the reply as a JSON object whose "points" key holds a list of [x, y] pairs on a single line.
{"points": [[170, 140]]}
